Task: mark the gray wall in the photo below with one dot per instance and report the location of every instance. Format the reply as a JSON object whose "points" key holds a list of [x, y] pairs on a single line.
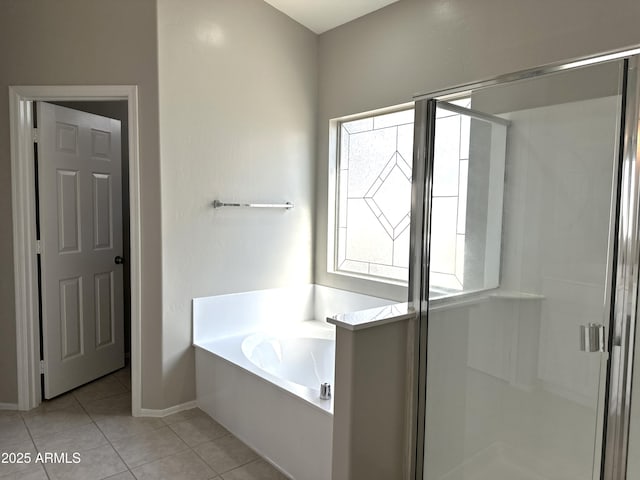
{"points": [[417, 46], [70, 42], [237, 122]]}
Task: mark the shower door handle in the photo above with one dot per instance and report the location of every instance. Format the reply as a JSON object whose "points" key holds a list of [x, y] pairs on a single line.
{"points": [[592, 337]]}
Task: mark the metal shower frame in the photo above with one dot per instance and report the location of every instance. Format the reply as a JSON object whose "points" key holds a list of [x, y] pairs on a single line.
{"points": [[624, 258]]}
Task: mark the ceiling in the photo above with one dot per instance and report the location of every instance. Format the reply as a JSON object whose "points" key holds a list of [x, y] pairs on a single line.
{"points": [[322, 15]]}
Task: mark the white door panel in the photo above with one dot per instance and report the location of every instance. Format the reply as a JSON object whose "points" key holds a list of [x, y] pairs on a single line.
{"points": [[79, 172]]}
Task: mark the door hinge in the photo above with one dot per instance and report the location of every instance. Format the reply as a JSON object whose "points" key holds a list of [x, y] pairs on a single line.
{"points": [[35, 135], [38, 247], [42, 367]]}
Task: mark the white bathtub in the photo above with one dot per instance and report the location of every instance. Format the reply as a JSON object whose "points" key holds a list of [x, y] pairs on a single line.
{"points": [[285, 358], [260, 359]]}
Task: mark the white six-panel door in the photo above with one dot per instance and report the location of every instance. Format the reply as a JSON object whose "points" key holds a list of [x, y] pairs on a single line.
{"points": [[79, 174]]}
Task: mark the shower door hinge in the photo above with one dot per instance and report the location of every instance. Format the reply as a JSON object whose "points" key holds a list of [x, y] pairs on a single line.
{"points": [[592, 337], [35, 135], [38, 247], [41, 367]]}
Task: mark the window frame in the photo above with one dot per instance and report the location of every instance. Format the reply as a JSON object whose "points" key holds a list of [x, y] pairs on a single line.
{"points": [[333, 203]]}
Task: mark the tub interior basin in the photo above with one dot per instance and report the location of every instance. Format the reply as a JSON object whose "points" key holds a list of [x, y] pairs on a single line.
{"points": [[306, 361]]}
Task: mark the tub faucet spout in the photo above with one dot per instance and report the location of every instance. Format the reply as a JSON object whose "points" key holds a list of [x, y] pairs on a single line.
{"points": [[325, 391]]}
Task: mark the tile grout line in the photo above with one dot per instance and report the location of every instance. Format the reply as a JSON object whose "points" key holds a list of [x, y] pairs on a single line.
{"points": [[64, 429], [44, 469], [108, 441], [109, 395], [189, 448], [219, 474], [109, 375], [82, 402], [130, 469], [192, 449], [255, 460], [166, 456], [127, 387]]}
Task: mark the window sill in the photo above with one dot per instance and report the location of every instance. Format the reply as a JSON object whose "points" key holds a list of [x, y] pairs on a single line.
{"points": [[472, 298], [369, 278]]}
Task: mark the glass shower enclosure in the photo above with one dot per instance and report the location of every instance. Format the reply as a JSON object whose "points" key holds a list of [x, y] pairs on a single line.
{"points": [[524, 272]]}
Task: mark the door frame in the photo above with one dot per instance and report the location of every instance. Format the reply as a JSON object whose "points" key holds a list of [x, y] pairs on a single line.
{"points": [[622, 275], [24, 229]]}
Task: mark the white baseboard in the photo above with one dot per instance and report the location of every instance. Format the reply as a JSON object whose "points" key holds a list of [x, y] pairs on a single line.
{"points": [[150, 412], [8, 406]]}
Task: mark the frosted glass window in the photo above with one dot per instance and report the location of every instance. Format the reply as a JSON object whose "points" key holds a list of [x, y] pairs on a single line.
{"points": [[374, 196]]}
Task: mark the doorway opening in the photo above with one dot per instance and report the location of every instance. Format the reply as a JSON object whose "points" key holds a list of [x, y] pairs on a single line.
{"points": [[107, 101]]}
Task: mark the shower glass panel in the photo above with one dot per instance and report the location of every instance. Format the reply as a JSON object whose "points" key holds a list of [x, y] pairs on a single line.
{"points": [[523, 200]]}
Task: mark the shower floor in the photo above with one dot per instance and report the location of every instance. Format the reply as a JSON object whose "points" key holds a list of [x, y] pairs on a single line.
{"points": [[492, 464], [501, 470]]}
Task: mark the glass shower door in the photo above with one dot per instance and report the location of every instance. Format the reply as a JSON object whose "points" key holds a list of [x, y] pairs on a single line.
{"points": [[521, 252]]}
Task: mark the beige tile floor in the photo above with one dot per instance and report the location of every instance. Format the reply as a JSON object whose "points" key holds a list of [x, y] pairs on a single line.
{"points": [[95, 421]]}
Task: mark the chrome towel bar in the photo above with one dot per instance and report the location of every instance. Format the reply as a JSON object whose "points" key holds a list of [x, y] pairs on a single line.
{"points": [[219, 204]]}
